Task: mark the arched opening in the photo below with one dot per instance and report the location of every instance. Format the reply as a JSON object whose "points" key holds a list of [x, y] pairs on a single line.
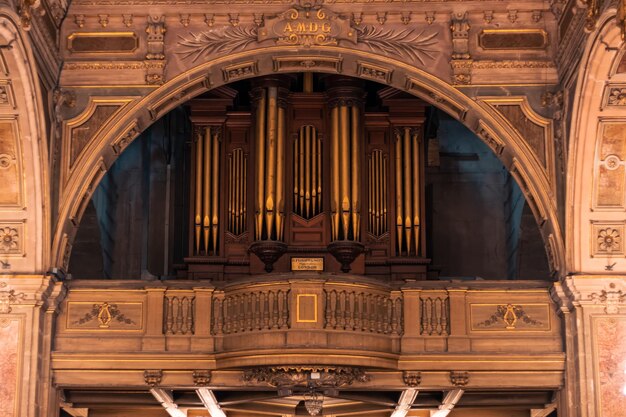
{"points": [[473, 220], [124, 126]]}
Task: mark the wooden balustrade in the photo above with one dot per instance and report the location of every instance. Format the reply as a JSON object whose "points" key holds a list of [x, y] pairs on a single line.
{"points": [[306, 310], [179, 314], [435, 314], [250, 311], [363, 311]]}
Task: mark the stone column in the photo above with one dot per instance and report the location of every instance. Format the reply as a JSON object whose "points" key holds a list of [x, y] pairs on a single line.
{"points": [[28, 308], [593, 308]]}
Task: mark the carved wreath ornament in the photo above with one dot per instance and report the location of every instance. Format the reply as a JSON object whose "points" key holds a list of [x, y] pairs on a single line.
{"points": [[311, 26]]}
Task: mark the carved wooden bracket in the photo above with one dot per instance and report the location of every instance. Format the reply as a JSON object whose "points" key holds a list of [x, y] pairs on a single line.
{"points": [[459, 379], [202, 377], [412, 378], [152, 377]]}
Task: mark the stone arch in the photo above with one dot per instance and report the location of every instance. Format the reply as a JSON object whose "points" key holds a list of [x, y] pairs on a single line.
{"points": [[24, 200], [595, 209], [477, 114]]}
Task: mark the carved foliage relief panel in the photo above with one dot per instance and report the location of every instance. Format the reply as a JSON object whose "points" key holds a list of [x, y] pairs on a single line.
{"points": [[609, 335], [9, 365], [609, 167]]}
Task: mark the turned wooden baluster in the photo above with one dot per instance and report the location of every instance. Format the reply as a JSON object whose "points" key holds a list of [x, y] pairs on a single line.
{"points": [[285, 310], [274, 310]]}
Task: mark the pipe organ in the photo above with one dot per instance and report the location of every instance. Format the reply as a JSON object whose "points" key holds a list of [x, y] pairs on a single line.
{"points": [[334, 174]]}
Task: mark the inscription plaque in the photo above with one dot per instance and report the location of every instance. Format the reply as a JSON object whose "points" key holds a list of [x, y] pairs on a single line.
{"points": [[307, 264]]}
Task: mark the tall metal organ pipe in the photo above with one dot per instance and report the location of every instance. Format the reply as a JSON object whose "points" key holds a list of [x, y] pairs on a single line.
{"points": [[270, 162], [346, 169], [407, 191]]}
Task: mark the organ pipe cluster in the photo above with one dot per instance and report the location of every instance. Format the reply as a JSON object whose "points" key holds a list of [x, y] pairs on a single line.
{"points": [[307, 165], [207, 169], [345, 169], [237, 192], [407, 190], [377, 209], [270, 162]]}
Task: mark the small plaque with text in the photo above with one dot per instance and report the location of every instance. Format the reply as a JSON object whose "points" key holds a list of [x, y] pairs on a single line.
{"points": [[307, 264]]}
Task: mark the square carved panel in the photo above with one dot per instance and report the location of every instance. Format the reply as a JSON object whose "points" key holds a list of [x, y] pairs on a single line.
{"points": [[607, 239]]}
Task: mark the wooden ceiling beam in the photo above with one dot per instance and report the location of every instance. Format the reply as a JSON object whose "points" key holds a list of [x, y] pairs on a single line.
{"points": [[449, 401], [210, 402], [166, 399], [405, 402]]}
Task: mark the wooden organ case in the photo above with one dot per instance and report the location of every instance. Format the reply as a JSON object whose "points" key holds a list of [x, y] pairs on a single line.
{"points": [[313, 175]]}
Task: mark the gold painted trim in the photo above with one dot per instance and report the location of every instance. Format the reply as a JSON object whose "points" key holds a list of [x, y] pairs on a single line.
{"points": [[298, 319]]}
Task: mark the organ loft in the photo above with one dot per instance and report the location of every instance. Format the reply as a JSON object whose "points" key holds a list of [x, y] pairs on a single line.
{"points": [[288, 208], [307, 175]]}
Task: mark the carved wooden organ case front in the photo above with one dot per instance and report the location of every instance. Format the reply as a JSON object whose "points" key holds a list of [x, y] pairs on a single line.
{"points": [[307, 174]]}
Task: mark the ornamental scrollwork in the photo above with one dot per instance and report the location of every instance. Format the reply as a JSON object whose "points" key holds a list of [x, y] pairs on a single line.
{"points": [[285, 376], [104, 313], [509, 314]]}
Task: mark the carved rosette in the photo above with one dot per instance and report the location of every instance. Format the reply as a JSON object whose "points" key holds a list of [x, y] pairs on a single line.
{"points": [[285, 376]]}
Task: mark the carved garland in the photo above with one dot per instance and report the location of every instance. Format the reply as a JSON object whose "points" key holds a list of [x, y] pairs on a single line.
{"points": [[308, 27], [334, 377]]}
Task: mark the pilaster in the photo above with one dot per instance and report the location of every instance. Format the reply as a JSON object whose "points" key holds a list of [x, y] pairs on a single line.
{"points": [[593, 308], [28, 308]]}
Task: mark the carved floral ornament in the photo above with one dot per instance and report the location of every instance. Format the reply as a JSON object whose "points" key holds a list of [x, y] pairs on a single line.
{"points": [[9, 240], [612, 298], [9, 297], [287, 376], [311, 26]]}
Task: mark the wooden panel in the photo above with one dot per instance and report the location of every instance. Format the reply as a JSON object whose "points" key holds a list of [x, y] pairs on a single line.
{"points": [[610, 170], [107, 316], [510, 317], [10, 167]]}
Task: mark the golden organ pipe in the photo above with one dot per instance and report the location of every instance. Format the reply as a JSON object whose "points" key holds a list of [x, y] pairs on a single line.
{"points": [[280, 178], [301, 177], [314, 174], [296, 171], [199, 167], [335, 206], [345, 169], [206, 223], [307, 170], [384, 192], [399, 197], [407, 188], [355, 168], [215, 193], [416, 190], [377, 191], [371, 193], [270, 173], [244, 187], [260, 149], [319, 173], [235, 196], [379, 187], [231, 205]]}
